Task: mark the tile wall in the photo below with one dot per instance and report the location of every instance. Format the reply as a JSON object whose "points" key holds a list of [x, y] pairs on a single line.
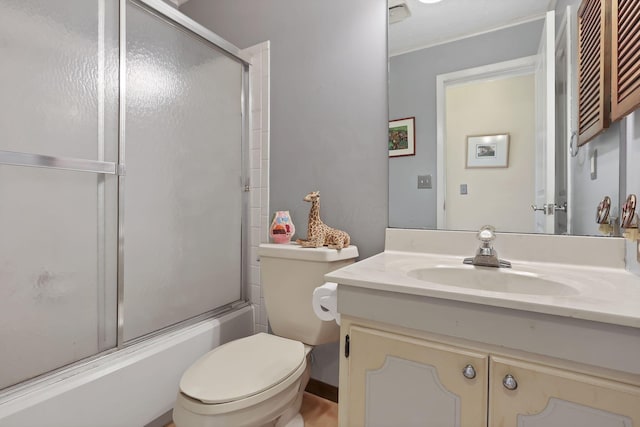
{"points": [[259, 173]]}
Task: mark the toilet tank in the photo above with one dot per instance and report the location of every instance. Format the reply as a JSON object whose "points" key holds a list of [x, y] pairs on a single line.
{"points": [[289, 274]]}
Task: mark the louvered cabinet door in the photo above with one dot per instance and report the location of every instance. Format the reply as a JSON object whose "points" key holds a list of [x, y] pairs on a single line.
{"points": [[625, 43], [594, 76]]}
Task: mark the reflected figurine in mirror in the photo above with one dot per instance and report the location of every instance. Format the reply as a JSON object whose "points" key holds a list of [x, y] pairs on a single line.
{"points": [[629, 213]]}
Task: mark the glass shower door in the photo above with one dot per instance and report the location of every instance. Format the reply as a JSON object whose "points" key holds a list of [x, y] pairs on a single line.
{"points": [[58, 220], [183, 186]]}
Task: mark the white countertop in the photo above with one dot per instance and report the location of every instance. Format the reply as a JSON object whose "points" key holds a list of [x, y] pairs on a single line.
{"points": [[608, 295]]}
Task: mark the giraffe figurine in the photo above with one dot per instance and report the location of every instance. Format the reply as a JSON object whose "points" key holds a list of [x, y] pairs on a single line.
{"points": [[318, 233]]}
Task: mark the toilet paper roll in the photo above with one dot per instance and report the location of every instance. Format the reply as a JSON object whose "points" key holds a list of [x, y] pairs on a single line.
{"points": [[325, 302]]}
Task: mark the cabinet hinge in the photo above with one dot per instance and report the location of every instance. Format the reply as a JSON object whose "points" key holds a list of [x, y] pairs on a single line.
{"points": [[347, 344]]}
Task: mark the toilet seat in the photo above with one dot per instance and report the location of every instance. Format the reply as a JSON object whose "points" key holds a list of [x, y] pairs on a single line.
{"points": [[242, 373]]}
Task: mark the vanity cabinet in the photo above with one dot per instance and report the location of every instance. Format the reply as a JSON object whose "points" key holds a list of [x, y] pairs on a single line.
{"points": [[392, 377], [397, 380]]}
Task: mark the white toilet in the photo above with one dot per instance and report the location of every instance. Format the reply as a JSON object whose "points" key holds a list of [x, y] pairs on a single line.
{"points": [[259, 380]]}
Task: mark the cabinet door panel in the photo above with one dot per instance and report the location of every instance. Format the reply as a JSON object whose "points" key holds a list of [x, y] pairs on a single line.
{"points": [[552, 397], [396, 380]]}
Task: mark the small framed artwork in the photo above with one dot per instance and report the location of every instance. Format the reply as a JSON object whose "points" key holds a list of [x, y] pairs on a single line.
{"points": [[402, 137], [488, 151]]}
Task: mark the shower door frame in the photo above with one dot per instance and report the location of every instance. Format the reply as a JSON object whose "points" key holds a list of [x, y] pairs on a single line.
{"points": [[101, 167]]}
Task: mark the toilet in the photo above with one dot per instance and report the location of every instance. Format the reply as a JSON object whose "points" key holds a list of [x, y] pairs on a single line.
{"points": [[258, 381]]}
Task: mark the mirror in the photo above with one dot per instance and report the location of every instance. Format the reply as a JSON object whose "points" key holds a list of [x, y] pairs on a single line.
{"points": [[464, 70]]}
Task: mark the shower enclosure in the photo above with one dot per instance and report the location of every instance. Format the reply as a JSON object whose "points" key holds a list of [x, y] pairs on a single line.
{"points": [[122, 178]]}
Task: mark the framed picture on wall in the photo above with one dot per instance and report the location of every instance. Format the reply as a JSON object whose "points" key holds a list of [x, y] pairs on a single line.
{"points": [[488, 151], [402, 137]]}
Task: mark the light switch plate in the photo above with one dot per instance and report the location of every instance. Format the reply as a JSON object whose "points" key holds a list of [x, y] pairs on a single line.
{"points": [[463, 189], [594, 164], [424, 181]]}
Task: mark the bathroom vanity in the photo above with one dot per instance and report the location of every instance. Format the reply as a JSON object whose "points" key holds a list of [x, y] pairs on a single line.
{"points": [[554, 341]]}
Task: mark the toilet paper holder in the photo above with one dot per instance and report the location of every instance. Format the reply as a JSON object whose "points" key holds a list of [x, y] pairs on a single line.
{"points": [[325, 302]]}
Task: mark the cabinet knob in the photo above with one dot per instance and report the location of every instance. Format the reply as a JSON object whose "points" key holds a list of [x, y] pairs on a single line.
{"points": [[509, 382], [469, 372]]}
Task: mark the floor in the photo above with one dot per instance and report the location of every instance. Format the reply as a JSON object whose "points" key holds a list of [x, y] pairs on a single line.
{"points": [[316, 411]]}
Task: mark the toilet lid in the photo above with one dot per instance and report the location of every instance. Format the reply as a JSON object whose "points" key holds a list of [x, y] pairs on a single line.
{"points": [[242, 368]]}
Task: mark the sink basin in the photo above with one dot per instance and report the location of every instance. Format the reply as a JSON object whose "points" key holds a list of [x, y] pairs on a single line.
{"points": [[492, 279]]}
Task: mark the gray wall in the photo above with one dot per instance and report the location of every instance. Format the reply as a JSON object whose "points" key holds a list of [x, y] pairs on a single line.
{"points": [[587, 192], [412, 93], [328, 112], [328, 105]]}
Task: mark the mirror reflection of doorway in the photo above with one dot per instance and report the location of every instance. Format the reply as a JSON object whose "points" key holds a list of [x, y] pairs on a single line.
{"points": [[457, 208], [500, 196]]}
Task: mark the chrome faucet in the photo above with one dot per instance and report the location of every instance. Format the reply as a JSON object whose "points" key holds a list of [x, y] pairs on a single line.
{"points": [[486, 256]]}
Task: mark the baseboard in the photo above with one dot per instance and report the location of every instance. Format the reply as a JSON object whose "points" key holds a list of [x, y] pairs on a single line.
{"points": [[324, 390], [164, 420]]}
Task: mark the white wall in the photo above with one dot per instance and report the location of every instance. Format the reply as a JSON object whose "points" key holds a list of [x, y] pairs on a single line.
{"points": [[497, 196], [129, 388]]}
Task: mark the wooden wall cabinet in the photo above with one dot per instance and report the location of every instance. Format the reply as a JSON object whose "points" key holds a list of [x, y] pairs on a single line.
{"points": [[625, 69], [594, 72], [608, 64], [394, 378]]}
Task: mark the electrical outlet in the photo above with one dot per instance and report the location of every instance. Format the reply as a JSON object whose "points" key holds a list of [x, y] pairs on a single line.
{"points": [[424, 181]]}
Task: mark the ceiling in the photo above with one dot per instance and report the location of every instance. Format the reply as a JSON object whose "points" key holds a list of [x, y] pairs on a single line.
{"points": [[432, 24]]}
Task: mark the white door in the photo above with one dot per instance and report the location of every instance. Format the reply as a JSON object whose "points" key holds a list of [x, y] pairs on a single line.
{"points": [[566, 116], [545, 128], [571, 105]]}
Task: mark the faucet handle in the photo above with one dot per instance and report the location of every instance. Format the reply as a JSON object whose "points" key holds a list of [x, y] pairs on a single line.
{"points": [[486, 234]]}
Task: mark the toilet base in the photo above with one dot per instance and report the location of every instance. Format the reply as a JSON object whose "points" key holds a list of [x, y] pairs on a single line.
{"points": [[292, 417], [297, 421]]}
